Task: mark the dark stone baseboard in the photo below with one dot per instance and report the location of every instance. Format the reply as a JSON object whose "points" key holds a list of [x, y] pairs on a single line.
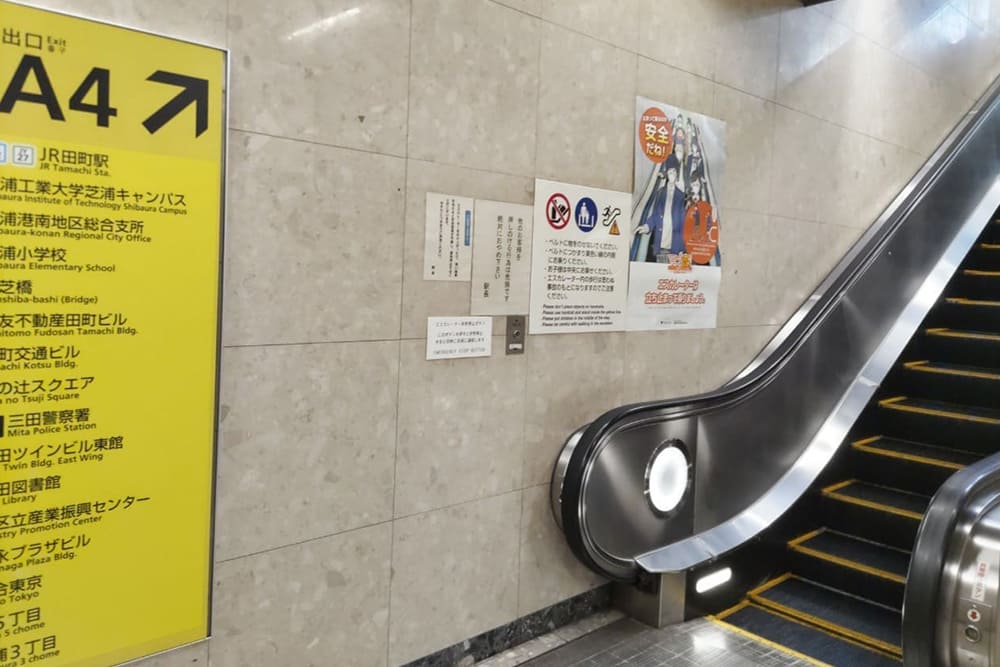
{"points": [[519, 630]]}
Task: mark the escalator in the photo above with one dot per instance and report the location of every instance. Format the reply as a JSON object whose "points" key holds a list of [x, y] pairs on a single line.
{"points": [[840, 498], [840, 600]]}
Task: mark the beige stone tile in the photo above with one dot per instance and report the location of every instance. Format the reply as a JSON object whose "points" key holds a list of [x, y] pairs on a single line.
{"points": [[572, 380], [749, 137], [195, 655], [586, 110], [952, 48], [319, 603], [731, 41], [662, 364], [317, 230], [333, 71], [748, 294], [549, 572], [454, 575], [676, 87], [461, 427], [885, 22], [827, 71], [829, 174], [193, 20], [746, 45], [804, 166], [615, 21], [473, 85], [431, 298], [533, 7], [795, 250], [680, 33], [304, 452], [731, 349]]}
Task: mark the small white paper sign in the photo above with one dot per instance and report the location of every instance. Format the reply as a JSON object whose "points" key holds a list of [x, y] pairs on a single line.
{"points": [[448, 238], [459, 337], [501, 258]]}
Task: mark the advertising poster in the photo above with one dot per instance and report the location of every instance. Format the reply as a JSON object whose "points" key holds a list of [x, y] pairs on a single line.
{"points": [[111, 177], [501, 258], [579, 261], [675, 257]]}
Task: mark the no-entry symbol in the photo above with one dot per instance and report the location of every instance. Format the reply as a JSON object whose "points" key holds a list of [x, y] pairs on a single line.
{"points": [[558, 210]]}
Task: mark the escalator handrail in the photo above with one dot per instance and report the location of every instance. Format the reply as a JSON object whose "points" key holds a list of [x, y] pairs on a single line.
{"points": [[959, 502], [766, 365]]}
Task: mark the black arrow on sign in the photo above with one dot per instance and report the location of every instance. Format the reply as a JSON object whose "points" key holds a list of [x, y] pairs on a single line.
{"points": [[195, 91]]}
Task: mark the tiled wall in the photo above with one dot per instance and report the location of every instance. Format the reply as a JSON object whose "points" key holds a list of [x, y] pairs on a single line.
{"points": [[374, 507]]}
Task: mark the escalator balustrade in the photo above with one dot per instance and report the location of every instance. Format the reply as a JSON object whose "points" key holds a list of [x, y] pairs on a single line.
{"points": [[847, 551]]}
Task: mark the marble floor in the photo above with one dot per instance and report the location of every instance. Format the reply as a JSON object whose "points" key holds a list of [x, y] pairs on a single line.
{"points": [[627, 643]]}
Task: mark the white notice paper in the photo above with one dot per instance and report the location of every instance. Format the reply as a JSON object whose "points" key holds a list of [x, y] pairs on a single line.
{"points": [[501, 258], [448, 238], [579, 259], [458, 337]]}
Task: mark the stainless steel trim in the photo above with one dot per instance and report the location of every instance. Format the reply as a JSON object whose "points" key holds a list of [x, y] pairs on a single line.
{"points": [[759, 441], [965, 510]]}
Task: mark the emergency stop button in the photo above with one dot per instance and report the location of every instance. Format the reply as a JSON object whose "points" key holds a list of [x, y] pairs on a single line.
{"points": [[974, 615]]}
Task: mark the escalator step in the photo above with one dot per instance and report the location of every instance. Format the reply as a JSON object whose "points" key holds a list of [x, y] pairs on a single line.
{"points": [[916, 452], [976, 283], [957, 383], [854, 553], [934, 422], [841, 614], [965, 313], [959, 346], [880, 498], [983, 256], [806, 642]]}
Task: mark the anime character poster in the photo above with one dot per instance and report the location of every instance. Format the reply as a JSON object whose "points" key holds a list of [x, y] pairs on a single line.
{"points": [[675, 257]]}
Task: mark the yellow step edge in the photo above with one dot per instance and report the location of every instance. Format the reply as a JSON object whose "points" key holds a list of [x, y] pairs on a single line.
{"points": [[718, 619], [990, 246], [771, 583], [972, 335], [867, 441], [961, 301], [893, 404], [848, 563], [980, 272], [831, 628], [951, 465], [805, 538], [951, 333], [924, 368], [832, 492]]}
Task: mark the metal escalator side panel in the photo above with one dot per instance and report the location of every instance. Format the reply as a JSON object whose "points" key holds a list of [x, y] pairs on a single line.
{"points": [[758, 442]]}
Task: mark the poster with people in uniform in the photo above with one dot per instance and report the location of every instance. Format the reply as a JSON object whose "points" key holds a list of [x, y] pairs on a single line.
{"points": [[675, 257]]}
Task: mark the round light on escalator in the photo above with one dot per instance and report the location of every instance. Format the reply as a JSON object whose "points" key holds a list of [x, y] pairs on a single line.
{"points": [[667, 477]]}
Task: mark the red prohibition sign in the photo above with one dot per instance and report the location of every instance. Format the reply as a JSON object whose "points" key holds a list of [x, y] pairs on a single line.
{"points": [[557, 210]]}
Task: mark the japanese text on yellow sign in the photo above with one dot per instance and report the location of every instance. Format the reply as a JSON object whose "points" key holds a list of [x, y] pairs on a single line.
{"points": [[111, 160]]}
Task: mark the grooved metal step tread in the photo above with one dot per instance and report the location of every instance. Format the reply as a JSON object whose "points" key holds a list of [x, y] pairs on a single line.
{"points": [[880, 498], [953, 370], [854, 553], [916, 452], [968, 413], [839, 613], [945, 332], [805, 642]]}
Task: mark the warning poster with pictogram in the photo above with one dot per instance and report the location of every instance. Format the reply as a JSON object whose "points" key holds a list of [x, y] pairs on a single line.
{"points": [[579, 262], [674, 229]]}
